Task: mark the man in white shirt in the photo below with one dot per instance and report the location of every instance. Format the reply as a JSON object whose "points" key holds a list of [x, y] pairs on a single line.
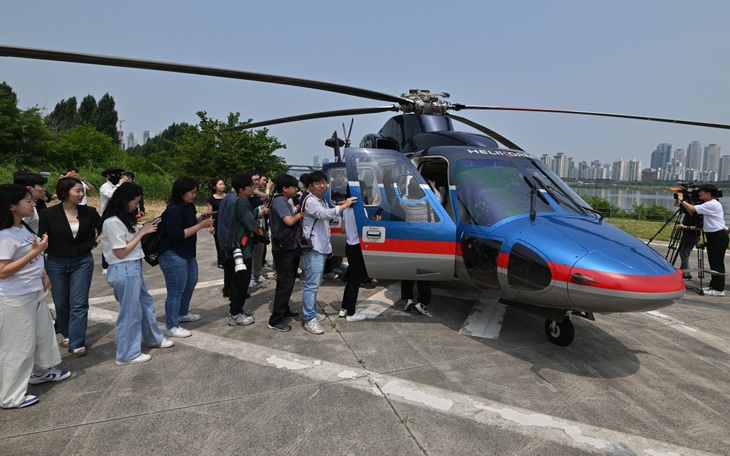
{"points": [[315, 228], [715, 232], [114, 179]]}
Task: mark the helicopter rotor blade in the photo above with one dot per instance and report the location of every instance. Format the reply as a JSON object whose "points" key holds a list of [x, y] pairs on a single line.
{"points": [[486, 131], [314, 115], [598, 114], [94, 59]]}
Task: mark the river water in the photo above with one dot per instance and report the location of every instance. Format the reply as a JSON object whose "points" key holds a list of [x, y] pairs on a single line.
{"points": [[626, 197]]}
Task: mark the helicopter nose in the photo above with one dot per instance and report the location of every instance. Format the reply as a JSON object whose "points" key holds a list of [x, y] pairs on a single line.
{"points": [[604, 279]]}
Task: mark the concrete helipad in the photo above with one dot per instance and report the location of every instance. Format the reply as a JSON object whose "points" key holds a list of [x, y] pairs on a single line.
{"points": [[397, 383]]}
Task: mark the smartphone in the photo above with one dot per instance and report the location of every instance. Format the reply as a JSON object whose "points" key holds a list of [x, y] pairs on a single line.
{"points": [[379, 212], [157, 220]]}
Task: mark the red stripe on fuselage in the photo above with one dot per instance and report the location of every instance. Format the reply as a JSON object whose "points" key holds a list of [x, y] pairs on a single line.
{"points": [[611, 280], [411, 246]]}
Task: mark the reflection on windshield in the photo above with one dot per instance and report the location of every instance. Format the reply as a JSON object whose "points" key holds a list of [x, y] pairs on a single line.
{"points": [[490, 190]]}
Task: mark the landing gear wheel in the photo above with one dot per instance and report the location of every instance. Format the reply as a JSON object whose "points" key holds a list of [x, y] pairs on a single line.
{"points": [[561, 334]]}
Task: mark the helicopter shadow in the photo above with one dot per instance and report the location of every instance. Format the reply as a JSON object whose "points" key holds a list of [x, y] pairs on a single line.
{"points": [[593, 354]]}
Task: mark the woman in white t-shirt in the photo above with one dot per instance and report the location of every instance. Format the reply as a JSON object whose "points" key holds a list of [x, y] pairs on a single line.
{"points": [[120, 243], [27, 338]]}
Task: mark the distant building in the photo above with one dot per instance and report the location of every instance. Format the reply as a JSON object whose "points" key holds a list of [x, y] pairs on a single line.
{"points": [[694, 155], [661, 156], [724, 173], [680, 156], [146, 135], [711, 158], [131, 140], [315, 160], [649, 174]]}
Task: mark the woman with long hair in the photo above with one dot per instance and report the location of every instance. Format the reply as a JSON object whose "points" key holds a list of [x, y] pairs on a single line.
{"points": [[177, 254], [218, 188], [120, 242], [27, 339], [72, 234]]}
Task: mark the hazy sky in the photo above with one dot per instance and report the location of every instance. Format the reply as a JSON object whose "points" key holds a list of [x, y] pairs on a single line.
{"points": [[662, 58]]}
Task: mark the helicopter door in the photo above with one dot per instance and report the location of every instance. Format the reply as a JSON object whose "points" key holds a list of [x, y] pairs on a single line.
{"points": [[336, 191], [415, 238]]}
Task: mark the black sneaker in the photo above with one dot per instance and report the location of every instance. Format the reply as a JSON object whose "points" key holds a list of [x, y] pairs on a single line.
{"points": [[281, 327], [291, 314], [226, 294]]}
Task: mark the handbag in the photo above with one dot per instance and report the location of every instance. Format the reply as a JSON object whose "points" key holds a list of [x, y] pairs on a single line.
{"points": [[285, 235]]}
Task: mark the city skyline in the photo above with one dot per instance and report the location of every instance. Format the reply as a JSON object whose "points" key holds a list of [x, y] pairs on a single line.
{"points": [[589, 56]]}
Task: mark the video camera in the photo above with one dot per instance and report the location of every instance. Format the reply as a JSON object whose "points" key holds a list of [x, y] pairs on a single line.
{"points": [[691, 192]]}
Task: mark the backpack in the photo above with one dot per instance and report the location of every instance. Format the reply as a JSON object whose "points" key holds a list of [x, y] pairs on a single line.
{"points": [[151, 245]]}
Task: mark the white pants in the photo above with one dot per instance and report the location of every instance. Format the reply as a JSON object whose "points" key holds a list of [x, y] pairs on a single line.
{"points": [[26, 339]]}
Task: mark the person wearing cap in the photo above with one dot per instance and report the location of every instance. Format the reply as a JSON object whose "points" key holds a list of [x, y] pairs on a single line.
{"points": [[715, 232], [114, 179]]}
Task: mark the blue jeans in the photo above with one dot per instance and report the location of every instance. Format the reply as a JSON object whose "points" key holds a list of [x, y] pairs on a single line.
{"points": [[181, 276], [70, 282], [312, 263], [136, 320]]}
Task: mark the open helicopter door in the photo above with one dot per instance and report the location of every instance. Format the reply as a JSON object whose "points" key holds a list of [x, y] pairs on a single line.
{"points": [[415, 239]]}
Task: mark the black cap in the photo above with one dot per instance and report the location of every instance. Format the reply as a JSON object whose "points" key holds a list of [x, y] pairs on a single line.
{"points": [[112, 170]]}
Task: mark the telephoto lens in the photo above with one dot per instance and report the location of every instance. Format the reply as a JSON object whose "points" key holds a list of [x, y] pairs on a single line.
{"points": [[238, 260]]}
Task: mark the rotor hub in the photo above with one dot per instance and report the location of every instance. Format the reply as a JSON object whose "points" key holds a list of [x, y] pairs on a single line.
{"points": [[426, 102]]}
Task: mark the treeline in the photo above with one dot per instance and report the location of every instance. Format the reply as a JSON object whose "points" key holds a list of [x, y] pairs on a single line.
{"points": [[85, 136], [654, 212]]}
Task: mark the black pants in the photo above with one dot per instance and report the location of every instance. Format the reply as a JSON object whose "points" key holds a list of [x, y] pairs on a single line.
{"points": [[356, 272], [716, 246], [286, 263], [424, 291], [228, 271], [239, 285]]}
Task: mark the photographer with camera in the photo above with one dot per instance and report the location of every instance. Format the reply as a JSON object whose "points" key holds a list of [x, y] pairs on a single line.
{"points": [[715, 233], [316, 230], [239, 249], [691, 227]]}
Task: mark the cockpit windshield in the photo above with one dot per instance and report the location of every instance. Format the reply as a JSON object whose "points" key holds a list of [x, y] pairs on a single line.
{"points": [[493, 189]]}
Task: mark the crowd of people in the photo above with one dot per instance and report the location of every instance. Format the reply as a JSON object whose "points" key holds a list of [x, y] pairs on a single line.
{"points": [[51, 250]]}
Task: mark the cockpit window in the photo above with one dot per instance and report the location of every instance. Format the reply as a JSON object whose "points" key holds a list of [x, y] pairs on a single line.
{"points": [[490, 190]]}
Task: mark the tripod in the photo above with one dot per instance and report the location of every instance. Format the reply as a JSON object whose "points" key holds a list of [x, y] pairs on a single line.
{"points": [[683, 240]]}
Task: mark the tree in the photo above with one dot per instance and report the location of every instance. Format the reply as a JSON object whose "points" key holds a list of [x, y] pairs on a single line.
{"points": [[205, 152], [87, 110], [24, 138], [64, 116], [84, 145], [106, 117]]}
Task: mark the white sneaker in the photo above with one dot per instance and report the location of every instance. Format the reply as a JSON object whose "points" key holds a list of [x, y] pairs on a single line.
{"points": [[177, 332], [140, 359], [254, 285], [422, 309], [357, 316], [342, 313], [263, 280], [712, 292], [313, 326], [706, 288], [409, 305], [166, 343], [188, 317], [240, 319], [321, 317]]}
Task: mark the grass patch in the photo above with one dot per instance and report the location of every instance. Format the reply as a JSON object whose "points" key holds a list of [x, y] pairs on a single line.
{"points": [[642, 229]]}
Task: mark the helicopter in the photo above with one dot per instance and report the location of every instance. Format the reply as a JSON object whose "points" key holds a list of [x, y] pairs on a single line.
{"points": [[496, 217]]}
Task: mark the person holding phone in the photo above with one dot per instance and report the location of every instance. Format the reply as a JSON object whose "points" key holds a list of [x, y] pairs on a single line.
{"points": [[120, 242]]}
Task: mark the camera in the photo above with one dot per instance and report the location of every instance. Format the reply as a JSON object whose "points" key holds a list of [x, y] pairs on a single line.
{"points": [[689, 191], [238, 264]]}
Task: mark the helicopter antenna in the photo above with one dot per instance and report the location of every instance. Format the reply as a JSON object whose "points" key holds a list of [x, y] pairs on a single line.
{"points": [[347, 133]]}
